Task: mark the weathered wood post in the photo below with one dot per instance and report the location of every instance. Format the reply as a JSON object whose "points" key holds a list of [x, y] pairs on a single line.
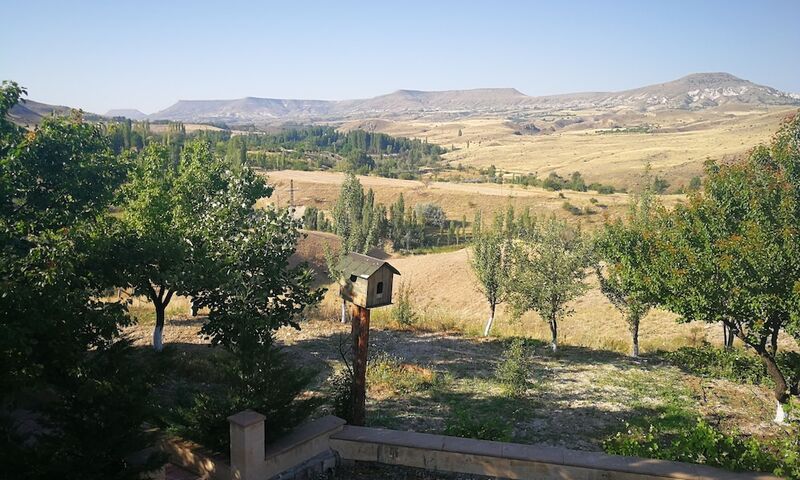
{"points": [[360, 329], [366, 283]]}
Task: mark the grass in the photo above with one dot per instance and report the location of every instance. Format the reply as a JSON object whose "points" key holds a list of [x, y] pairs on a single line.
{"points": [[684, 140]]}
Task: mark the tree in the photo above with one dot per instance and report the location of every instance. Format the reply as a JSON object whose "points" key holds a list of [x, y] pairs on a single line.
{"points": [[547, 271], [358, 221], [166, 205], [660, 185], [733, 253], [490, 262], [431, 214], [64, 362], [627, 248]]}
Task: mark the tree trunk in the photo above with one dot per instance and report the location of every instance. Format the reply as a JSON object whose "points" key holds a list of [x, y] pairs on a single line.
{"points": [[727, 336], [635, 338], [780, 414], [344, 311], [781, 390], [158, 330], [489, 322], [554, 334]]}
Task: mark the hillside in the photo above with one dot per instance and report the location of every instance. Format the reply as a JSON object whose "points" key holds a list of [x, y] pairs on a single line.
{"points": [[130, 113], [693, 92]]}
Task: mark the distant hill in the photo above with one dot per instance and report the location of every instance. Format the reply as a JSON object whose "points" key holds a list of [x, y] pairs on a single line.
{"points": [[29, 113], [131, 113], [693, 92]]}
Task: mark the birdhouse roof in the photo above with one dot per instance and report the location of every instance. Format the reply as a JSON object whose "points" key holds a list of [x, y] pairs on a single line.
{"points": [[363, 265]]}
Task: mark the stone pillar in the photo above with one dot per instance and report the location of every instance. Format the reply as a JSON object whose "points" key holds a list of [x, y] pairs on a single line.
{"points": [[247, 445]]}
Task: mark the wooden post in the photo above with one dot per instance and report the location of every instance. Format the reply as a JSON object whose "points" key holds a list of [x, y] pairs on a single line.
{"points": [[360, 345]]}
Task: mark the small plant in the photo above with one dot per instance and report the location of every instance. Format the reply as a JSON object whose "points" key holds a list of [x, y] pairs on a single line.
{"points": [[403, 311], [463, 423], [388, 373], [342, 394], [732, 364], [705, 444], [514, 368], [572, 208]]}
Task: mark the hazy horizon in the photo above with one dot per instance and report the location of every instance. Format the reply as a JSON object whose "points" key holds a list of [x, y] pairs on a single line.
{"points": [[147, 56]]}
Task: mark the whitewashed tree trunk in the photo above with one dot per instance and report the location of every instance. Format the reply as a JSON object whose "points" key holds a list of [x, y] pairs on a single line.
{"points": [[780, 414], [554, 333], [158, 338], [344, 311], [489, 322]]}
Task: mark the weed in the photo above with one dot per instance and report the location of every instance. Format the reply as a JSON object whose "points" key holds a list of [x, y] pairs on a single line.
{"points": [[514, 368]]}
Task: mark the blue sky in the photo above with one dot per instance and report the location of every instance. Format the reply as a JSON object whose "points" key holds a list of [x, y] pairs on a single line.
{"points": [[140, 54]]}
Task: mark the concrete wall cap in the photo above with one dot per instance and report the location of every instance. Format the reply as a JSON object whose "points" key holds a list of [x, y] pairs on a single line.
{"points": [[304, 433], [246, 418]]}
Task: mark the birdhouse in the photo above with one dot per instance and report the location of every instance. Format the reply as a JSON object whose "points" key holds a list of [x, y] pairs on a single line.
{"points": [[366, 281]]}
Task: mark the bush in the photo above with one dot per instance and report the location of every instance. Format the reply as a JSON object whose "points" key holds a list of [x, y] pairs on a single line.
{"points": [[704, 444], [572, 208], [342, 395], [514, 368], [403, 312], [732, 364], [388, 372], [273, 391], [463, 423]]}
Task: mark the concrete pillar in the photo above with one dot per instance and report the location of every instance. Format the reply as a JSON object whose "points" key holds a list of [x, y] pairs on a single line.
{"points": [[247, 445]]}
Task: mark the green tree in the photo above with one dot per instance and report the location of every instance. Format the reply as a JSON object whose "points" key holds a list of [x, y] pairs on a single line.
{"points": [[490, 262], [166, 205], [627, 249], [548, 271], [358, 221], [733, 253], [72, 401]]}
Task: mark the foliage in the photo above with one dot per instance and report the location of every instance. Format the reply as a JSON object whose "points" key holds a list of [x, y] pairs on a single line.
{"points": [[354, 151], [731, 363], [514, 368], [314, 219], [389, 372], [627, 248], [490, 262], [733, 253], [465, 423], [547, 271], [273, 387], [342, 394], [358, 221], [64, 362], [702, 443], [430, 214], [403, 309]]}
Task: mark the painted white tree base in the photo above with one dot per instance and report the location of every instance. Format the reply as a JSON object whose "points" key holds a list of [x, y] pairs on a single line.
{"points": [[158, 339], [780, 414]]}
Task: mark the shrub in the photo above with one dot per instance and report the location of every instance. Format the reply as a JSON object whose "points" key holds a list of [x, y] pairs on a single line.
{"points": [[514, 368], [572, 208], [731, 364], [388, 372], [403, 312], [275, 392], [463, 423], [342, 395], [704, 444]]}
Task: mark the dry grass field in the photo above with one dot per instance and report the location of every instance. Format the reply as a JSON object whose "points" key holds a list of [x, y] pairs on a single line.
{"points": [[321, 189], [681, 141]]}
